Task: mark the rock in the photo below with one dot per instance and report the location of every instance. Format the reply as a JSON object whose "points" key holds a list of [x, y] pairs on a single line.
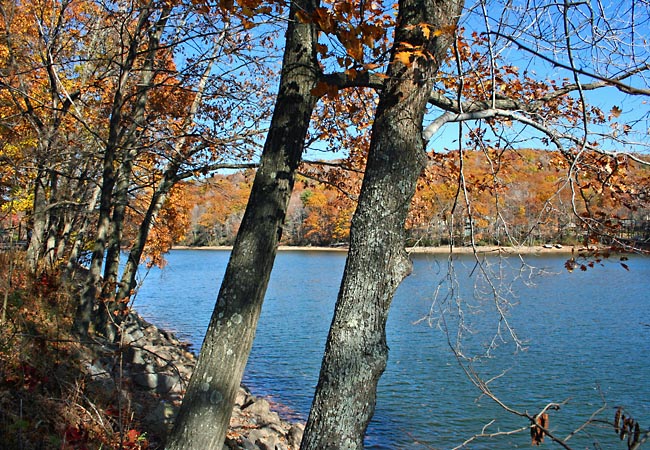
{"points": [[135, 355], [295, 435], [102, 389], [266, 439], [160, 367], [168, 383], [146, 380], [231, 444], [261, 413], [244, 397], [247, 444], [161, 419]]}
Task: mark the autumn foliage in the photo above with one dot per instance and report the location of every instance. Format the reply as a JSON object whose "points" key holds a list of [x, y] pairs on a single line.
{"points": [[514, 197]]}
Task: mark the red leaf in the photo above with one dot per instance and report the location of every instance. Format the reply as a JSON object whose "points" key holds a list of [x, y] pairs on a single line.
{"points": [[132, 435]]}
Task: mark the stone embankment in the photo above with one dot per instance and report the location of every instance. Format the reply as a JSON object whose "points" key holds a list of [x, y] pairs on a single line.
{"points": [[150, 375]]}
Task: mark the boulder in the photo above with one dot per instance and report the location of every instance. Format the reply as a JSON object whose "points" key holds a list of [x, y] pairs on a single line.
{"points": [[261, 414], [266, 439], [295, 435]]}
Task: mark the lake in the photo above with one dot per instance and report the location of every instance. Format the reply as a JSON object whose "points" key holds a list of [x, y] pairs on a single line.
{"points": [[586, 335]]}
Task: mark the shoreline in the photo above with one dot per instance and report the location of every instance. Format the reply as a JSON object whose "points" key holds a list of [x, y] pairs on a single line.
{"points": [[520, 250]]}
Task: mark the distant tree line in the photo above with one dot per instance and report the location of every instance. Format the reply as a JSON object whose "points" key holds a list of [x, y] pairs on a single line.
{"points": [[527, 202]]}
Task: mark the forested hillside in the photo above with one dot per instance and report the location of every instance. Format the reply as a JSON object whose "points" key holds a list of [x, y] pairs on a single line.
{"points": [[513, 198]]}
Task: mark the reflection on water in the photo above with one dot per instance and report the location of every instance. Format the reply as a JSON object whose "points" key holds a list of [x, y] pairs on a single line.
{"points": [[586, 333]]}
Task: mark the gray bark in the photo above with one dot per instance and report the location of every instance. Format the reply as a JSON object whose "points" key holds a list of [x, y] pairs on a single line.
{"points": [[75, 251], [205, 413], [356, 351], [39, 223]]}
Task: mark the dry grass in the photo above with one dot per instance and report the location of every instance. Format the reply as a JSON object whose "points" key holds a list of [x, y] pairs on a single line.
{"points": [[45, 396]]}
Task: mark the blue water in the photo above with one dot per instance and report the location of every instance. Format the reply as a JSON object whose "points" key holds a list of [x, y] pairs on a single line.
{"points": [[585, 339]]}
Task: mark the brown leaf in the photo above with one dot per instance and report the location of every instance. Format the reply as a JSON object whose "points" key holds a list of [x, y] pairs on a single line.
{"points": [[324, 20], [355, 49], [303, 17]]}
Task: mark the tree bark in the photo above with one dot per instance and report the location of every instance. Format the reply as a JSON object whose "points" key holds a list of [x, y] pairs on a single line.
{"points": [[205, 413], [356, 351], [39, 222]]}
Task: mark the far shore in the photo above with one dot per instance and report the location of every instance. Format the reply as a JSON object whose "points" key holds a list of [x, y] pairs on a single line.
{"points": [[520, 250]]}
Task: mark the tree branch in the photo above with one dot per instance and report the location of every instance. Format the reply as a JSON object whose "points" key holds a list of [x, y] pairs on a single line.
{"points": [[362, 79], [491, 113], [615, 82]]}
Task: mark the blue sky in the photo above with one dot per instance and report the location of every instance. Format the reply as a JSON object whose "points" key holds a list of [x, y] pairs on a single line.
{"points": [[538, 25]]}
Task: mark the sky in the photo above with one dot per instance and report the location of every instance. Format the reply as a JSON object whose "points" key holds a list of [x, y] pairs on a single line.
{"points": [[605, 39], [532, 34]]}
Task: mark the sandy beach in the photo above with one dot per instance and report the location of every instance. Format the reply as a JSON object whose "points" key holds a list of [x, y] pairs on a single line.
{"points": [[522, 250]]}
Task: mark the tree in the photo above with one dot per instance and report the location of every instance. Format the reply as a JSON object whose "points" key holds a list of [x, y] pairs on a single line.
{"points": [[103, 101], [101, 83], [124, 131], [40, 102], [463, 94], [356, 350], [107, 106], [204, 416], [327, 216]]}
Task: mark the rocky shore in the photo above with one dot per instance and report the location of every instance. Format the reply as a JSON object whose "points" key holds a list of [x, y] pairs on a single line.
{"points": [[150, 371]]}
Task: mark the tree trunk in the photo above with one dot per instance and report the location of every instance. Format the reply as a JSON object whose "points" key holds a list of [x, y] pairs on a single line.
{"points": [[127, 282], [107, 320], [55, 213], [83, 316], [120, 139], [356, 350], [205, 413], [75, 251], [39, 223]]}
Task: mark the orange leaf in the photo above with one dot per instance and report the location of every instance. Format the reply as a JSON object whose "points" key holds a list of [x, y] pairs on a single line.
{"points": [[132, 435], [426, 31], [355, 49], [404, 57], [371, 66]]}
